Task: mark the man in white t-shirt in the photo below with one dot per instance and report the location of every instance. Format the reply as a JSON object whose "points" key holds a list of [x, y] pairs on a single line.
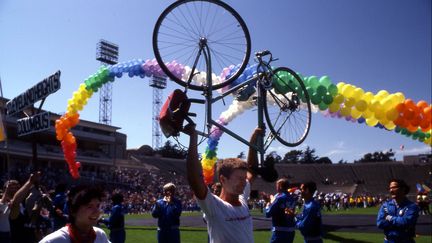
{"points": [[228, 217]]}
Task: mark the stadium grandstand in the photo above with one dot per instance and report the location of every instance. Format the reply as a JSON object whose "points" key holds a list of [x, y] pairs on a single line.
{"points": [[102, 151]]}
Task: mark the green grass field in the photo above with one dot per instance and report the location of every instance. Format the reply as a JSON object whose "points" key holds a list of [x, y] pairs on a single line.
{"points": [[199, 235], [257, 213]]}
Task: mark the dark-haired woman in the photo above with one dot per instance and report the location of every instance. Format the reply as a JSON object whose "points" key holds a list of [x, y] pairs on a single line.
{"points": [[84, 212]]}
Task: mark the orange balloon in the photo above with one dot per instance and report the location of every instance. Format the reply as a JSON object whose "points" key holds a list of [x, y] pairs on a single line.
{"points": [[427, 112], [412, 128], [66, 122], [425, 124], [408, 114], [399, 121], [416, 121], [409, 103], [422, 104], [400, 107]]}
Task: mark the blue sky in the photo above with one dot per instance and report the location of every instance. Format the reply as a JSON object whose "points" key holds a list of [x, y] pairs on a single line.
{"points": [[374, 45]]}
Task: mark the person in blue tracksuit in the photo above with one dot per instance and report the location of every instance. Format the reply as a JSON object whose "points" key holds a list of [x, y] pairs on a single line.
{"points": [[168, 211], [309, 221], [283, 224], [115, 222], [398, 216]]}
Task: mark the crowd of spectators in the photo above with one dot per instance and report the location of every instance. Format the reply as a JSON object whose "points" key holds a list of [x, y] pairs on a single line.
{"points": [[139, 187]]}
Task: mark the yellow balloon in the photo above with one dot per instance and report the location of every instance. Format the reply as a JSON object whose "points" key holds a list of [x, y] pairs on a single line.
{"points": [[367, 114], [334, 107], [379, 114], [374, 104], [338, 99], [350, 102], [382, 93], [390, 125], [371, 121], [387, 103], [392, 114], [400, 96], [82, 86], [361, 105], [358, 93], [345, 111], [79, 107], [340, 85], [368, 96], [348, 90], [355, 113]]}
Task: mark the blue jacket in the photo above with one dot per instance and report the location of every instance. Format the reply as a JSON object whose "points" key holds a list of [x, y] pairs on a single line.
{"points": [[116, 218], [398, 221], [309, 221], [276, 210], [168, 214]]}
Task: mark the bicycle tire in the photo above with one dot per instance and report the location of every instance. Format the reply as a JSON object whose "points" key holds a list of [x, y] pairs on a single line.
{"points": [[167, 50], [292, 123]]}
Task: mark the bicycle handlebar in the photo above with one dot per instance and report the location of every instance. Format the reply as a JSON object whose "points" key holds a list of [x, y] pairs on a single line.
{"points": [[262, 53]]}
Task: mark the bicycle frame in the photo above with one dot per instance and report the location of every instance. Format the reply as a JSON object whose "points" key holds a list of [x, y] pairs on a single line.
{"points": [[261, 146]]}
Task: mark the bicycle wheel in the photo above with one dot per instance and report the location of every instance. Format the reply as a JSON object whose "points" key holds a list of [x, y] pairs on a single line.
{"points": [[287, 108], [185, 25]]}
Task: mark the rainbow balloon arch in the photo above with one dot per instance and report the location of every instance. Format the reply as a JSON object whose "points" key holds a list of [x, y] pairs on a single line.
{"points": [[392, 112]]}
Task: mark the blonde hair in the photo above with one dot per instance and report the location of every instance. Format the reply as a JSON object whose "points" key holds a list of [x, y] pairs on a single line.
{"points": [[169, 187]]}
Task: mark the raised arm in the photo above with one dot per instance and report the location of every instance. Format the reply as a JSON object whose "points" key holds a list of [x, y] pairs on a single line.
{"points": [[22, 193], [193, 166], [252, 158]]}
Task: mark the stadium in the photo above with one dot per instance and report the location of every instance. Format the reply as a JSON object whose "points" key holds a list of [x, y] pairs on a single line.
{"points": [[138, 175]]}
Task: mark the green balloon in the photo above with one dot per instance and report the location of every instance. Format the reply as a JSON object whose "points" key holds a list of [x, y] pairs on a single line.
{"points": [[322, 106], [398, 129], [316, 98], [321, 90], [280, 82], [427, 135], [310, 91], [332, 89], [325, 80], [327, 99], [87, 83], [299, 92], [313, 82]]}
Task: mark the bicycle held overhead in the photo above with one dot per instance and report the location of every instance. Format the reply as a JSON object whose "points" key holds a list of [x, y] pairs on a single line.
{"points": [[195, 33]]}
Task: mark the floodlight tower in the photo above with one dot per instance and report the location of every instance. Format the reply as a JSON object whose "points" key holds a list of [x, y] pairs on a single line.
{"points": [[106, 53], [158, 84]]}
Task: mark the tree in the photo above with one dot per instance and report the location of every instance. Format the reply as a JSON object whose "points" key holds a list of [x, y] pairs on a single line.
{"points": [[292, 157], [324, 160], [276, 157], [172, 151], [308, 156], [146, 150], [378, 156]]}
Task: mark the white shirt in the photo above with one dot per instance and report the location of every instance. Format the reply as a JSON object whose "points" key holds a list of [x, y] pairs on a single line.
{"points": [[62, 236], [227, 223]]}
